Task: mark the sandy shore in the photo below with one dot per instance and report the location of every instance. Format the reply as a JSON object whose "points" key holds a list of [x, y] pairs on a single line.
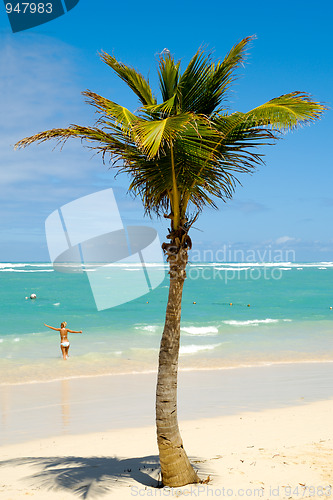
{"points": [[263, 432], [275, 453], [94, 404]]}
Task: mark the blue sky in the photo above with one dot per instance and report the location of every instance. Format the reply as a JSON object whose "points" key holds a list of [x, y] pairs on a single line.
{"points": [[285, 206]]}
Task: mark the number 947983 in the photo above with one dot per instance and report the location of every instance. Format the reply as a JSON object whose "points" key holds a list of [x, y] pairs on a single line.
{"points": [[29, 8]]}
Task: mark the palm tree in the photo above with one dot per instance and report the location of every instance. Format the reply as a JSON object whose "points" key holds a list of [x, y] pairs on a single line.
{"points": [[180, 155]]}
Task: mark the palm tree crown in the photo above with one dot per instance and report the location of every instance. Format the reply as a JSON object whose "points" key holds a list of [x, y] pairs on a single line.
{"points": [[186, 150]]}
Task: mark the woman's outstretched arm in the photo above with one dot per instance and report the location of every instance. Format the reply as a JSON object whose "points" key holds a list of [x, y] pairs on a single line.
{"points": [[57, 329], [73, 331]]}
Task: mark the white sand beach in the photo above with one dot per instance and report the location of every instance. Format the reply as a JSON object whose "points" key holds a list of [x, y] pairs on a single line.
{"points": [[280, 452]]}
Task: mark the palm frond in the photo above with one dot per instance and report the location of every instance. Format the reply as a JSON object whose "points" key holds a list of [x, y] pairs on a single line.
{"points": [[287, 111], [153, 135], [193, 81], [204, 84], [119, 114], [95, 139], [161, 110], [133, 78], [168, 73]]}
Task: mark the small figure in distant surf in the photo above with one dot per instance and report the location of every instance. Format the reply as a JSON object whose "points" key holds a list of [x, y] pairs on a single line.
{"points": [[64, 343]]}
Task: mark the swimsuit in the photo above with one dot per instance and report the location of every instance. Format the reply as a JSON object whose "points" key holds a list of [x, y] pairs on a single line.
{"points": [[64, 344]]}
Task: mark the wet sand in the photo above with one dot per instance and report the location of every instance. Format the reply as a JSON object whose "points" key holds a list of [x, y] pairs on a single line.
{"points": [[92, 404]]}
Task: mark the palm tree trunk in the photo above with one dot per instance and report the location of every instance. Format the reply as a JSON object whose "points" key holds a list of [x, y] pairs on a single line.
{"points": [[175, 466]]}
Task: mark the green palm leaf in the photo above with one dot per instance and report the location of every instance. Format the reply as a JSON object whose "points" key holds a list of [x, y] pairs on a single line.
{"points": [[168, 75], [204, 83], [153, 135], [287, 111], [96, 139], [119, 114], [133, 78], [162, 110]]}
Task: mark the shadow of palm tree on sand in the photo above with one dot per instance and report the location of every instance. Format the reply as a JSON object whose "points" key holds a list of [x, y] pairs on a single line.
{"points": [[89, 477]]}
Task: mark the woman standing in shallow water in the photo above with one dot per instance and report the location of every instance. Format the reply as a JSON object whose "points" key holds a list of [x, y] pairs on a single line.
{"points": [[64, 343]]}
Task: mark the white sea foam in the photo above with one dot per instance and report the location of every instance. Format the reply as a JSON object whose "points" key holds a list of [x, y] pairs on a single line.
{"points": [[205, 264], [228, 265], [139, 269], [232, 268], [147, 328], [192, 349], [221, 264], [9, 266], [26, 271], [301, 265], [57, 304], [250, 322], [136, 265], [274, 264], [199, 330], [245, 265], [27, 264]]}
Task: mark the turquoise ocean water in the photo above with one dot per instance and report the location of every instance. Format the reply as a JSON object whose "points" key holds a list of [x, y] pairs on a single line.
{"points": [[280, 312]]}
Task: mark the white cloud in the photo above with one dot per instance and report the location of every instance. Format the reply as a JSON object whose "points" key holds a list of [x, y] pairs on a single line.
{"points": [[284, 239], [39, 90]]}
